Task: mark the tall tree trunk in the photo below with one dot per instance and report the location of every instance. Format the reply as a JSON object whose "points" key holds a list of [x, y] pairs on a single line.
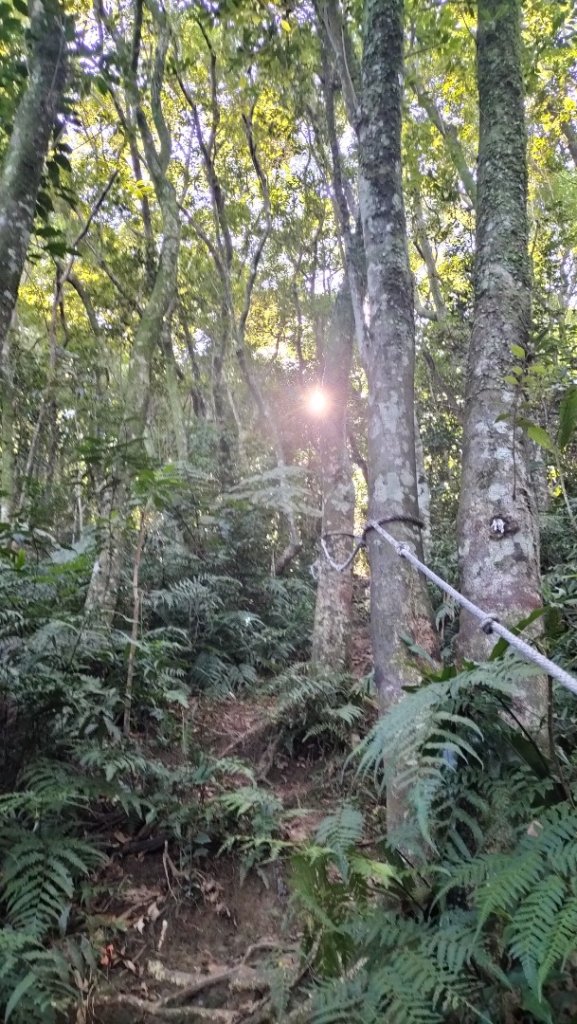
{"points": [[498, 537], [7, 467], [334, 590], [101, 596], [399, 602], [28, 146]]}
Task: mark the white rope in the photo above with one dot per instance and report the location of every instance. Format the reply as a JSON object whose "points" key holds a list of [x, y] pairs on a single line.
{"points": [[489, 624], [341, 568]]}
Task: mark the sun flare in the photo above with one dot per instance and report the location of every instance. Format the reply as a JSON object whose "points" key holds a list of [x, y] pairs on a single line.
{"points": [[317, 401]]}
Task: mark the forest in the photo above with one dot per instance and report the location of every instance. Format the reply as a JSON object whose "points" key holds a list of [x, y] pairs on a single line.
{"points": [[288, 372]]}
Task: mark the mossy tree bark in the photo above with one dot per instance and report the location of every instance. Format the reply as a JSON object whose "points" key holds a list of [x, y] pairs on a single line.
{"points": [[20, 180], [334, 590], [498, 538], [28, 147], [399, 602]]}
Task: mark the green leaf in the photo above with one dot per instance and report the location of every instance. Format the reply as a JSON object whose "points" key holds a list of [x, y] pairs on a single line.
{"points": [[518, 351], [538, 1008], [9, 25], [372, 869], [502, 644], [21, 989], [57, 248], [567, 417], [62, 160], [538, 435], [541, 437]]}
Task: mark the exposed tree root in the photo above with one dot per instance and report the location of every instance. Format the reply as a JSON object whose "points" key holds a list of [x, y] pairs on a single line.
{"points": [[184, 1014], [265, 1014], [171, 1007]]}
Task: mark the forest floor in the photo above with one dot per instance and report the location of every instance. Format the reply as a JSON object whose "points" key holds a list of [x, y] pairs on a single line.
{"points": [[208, 941]]}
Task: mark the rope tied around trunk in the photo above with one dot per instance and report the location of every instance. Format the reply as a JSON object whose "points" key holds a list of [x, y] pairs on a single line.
{"points": [[487, 622]]}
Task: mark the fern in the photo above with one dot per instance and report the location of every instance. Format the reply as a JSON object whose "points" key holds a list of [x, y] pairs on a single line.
{"points": [[532, 927], [428, 738], [495, 915], [410, 989], [560, 941], [330, 708], [39, 879], [341, 831], [38, 985], [531, 890]]}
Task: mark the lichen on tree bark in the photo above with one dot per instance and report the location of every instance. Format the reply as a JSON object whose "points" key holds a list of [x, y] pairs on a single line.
{"points": [[399, 603], [334, 589], [498, 537]]}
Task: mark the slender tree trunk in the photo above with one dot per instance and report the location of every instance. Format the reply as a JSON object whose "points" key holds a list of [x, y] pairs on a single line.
{"points": [[103, 588], [426, 251], [228, 434], [101, 597], [334, 590], [43, 422], [102, 592], [498, 537], [451, 139], [423, 492], [136, 609], [173, 377], [7, 463], [399, 603], [27, 149], [196, 390], [78, 523]]}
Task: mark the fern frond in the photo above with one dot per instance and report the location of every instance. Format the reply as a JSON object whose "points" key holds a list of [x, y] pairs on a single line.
{"points": [[533, 936], [559, 942], [39, 876], [341, 831], [38, 984]]}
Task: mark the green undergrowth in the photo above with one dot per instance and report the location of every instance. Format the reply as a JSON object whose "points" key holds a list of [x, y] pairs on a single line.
{"points": [[72, 773], [476, 920]]}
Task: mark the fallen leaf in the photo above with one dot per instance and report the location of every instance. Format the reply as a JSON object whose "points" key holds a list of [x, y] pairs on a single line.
{"points": [[153, 912]]}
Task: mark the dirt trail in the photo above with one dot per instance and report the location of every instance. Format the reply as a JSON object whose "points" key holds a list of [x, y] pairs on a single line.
{"points": [[198, 942]]}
